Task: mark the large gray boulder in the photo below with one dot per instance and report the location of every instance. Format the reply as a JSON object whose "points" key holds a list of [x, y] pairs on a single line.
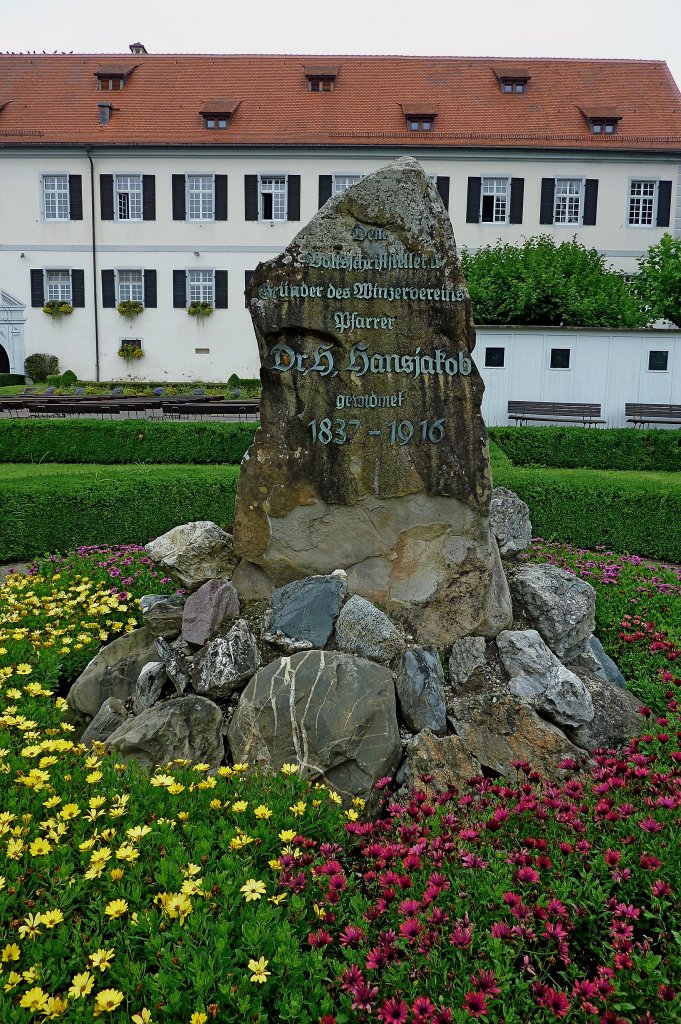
{"points": [[178, 667], [509, 518], [616, 716], [162, 613], [332, 714], [207, 609], [190, 728], [113, 672], [443, 760], [419, 682], [305, 611], [497, 729], [194, 553], [558, 604], [363, 629], [111, 714], [466, 663], [227, 663], [539, 679]]}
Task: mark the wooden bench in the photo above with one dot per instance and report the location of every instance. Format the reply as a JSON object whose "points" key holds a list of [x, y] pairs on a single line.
{"points": [[641, 413], [586, 413], [213, 408]]}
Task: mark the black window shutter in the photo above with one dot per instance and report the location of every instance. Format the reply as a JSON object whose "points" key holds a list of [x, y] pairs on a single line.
{"points": [[221, 197], [293, 197], [179, 289], [78, 289], [150, 297], [325, 188], [517, 195], [221, 289], [247, 280], [178, 197], [37, 288], [251, 196], [664, 203], [442, 185], [75, 197], [108, 289], [106, 202], [548, 191], [473, 201], [148, 197], [590, 201]]}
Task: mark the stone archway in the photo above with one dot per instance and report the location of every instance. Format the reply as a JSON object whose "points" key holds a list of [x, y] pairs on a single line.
{"points": [[12, 320]]}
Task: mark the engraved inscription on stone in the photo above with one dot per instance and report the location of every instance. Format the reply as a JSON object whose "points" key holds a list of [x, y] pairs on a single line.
{"points": [[372, 452]]}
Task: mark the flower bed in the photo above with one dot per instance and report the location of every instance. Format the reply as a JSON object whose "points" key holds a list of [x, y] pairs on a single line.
{"points": [[182, 897]]}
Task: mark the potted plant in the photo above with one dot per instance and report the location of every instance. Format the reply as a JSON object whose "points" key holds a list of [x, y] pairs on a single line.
{"points": [[57, 309], [130, 352], [129, 309], [200, 309]]}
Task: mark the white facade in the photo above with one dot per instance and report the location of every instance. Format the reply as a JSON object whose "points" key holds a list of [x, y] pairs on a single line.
{"points": [[610, 368], [175, 345]]}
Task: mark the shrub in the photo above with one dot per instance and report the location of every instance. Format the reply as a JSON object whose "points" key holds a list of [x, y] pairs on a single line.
{"points": [[8, 379], [578, 448], [118, 505], [124, 441], [68, 378], [540, 283], [233, 381], [636, 512], [658, 282], [38, 365]]}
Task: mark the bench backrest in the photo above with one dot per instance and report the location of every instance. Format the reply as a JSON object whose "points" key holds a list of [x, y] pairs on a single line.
{"points": [[651, 409], [556, 408]]}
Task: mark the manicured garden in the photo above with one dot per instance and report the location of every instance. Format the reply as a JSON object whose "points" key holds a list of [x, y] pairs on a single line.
{"points": [[183, 897]]}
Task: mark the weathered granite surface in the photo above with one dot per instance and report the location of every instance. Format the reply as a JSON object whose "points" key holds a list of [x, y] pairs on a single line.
{"points": [[162, 613], [420, 686], [306, 610], [194, 553], [113, 672], [365, 630], [207, 609], [560, 605], [330, 482], [190, 727], [510, 520], [227, 663], [537, 677]]}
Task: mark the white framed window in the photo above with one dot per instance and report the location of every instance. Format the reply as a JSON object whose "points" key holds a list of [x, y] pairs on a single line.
{"points": [[272, 198], [58, 285], [495, 195], [200, 197], [130, 285], [56, 196], [200, 286], [343, 181], [642, 202], [568, 201], [128, 198]]}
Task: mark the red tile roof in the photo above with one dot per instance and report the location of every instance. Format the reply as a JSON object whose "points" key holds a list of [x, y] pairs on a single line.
{"points": [[53, 99]]}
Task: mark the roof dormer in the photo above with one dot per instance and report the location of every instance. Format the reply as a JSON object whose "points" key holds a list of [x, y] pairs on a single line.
{"points": [[321, 77], [420, 115], [112, 77], [217, 114], [512, 80], [602, 119], [138, 48]]}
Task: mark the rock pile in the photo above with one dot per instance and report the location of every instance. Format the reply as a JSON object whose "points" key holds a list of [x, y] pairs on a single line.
{"points": [[318, 677]]}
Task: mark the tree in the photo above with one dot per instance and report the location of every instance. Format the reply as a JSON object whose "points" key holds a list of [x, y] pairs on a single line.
{"points": [[539, 283], [658, 282]]}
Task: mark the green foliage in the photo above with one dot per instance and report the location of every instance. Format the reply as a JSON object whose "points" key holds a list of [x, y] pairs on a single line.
{"points": [[579, 448], [113, 505], [130, 352], [68, 378], [636, 512], [7, 379], [57, 309], [658, 282], [124, 441], [38, 365], [539, 283], [129, 309], [200, 309]]}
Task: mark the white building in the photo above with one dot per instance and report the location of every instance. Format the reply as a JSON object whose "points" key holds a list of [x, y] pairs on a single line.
{"points": [[125, 178]]}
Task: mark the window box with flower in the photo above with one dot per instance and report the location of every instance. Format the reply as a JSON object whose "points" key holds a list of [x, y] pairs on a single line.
{"points": [[57, 309]]}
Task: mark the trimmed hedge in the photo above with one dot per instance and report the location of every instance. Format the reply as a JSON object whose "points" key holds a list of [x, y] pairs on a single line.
{"points": [[106, 442], [7, 379], [637, 513], [583, 448], [46, 509]]}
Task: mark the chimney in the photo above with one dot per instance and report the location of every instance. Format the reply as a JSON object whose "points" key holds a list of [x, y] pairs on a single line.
{"points": [[137, 48]]}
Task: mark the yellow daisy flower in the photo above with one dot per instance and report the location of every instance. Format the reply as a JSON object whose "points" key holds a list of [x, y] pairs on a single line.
{"points": [[253, 889], [107, 1000], [116, 908], [35, 999], [260, 974], [81, 985]]}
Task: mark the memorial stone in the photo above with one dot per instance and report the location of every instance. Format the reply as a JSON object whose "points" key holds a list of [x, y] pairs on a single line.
{"points": [[372, 454]]}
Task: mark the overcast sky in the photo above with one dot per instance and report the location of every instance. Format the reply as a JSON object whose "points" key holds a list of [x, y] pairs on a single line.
{"points": [[649, 29]]}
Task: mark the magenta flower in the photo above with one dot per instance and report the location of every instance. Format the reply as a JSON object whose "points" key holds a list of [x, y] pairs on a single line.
{"points": [[422, 1010], [475, 1003], [528, 875], [393, 1011]]}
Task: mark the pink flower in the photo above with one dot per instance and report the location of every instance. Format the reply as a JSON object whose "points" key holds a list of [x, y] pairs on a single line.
{"points": [[319, 938], [422, 1010], [351, 936], [393, 1011], [660, 888], [485, 981], [410, 928], [363, 996], [528, 875], [475, 1003]]}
